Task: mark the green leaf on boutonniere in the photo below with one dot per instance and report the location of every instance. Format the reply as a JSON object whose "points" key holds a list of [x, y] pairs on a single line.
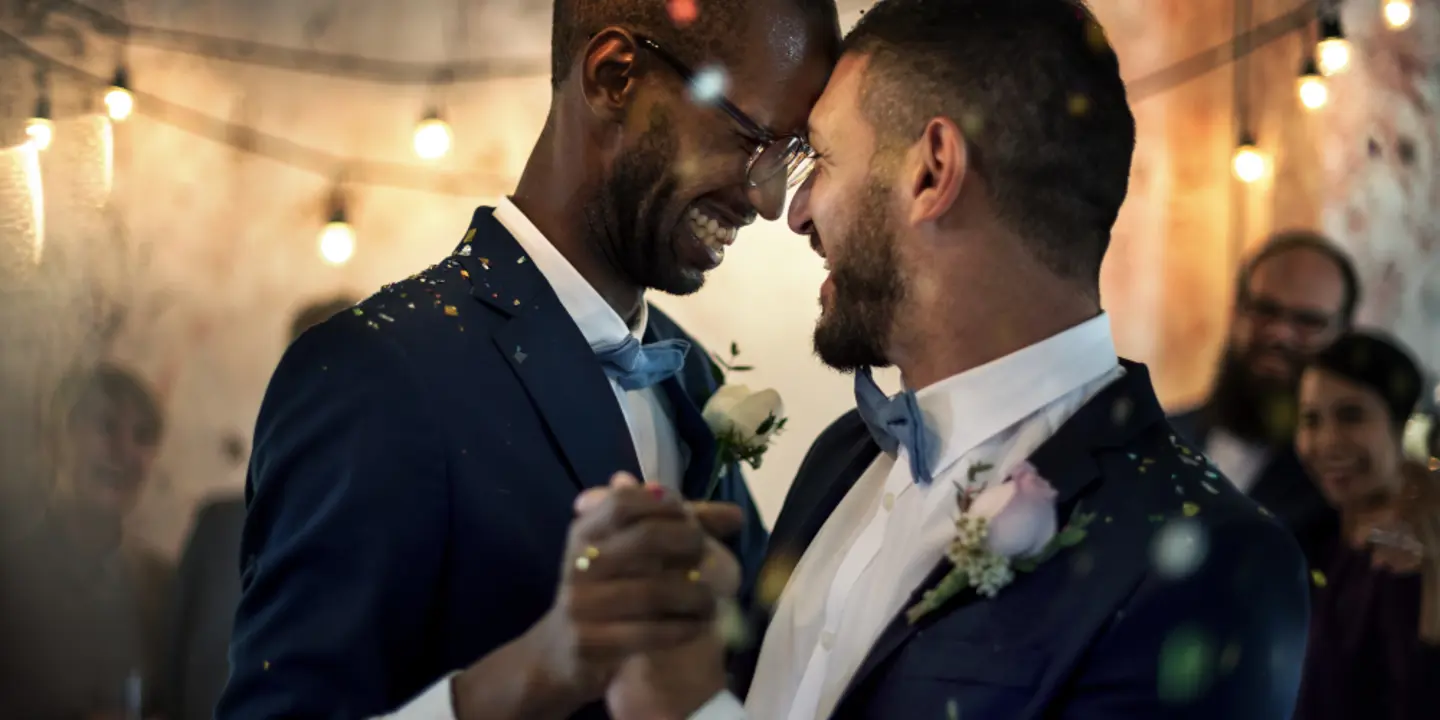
{"points": [[717, 373], [1069, 536], [975, 470], [948, 587]]}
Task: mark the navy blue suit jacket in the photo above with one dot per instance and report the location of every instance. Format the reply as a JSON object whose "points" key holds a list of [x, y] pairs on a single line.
{"points": [[1101, 630], [1283, 488], [416, 461]]}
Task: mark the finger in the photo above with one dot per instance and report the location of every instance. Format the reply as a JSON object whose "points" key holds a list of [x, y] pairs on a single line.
{"points": [[620, 508], [647, 548], [590, 499], [720, 520], [623, 479], [616, 641], [720, 571], [672, 597]]}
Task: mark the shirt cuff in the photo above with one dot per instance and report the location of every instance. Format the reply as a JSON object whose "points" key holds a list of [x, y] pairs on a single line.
{"points": [[436, 703], [724, 706]]}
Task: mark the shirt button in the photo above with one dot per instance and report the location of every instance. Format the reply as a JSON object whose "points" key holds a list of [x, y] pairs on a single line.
{"points": [[827, 639], [888, 501]]}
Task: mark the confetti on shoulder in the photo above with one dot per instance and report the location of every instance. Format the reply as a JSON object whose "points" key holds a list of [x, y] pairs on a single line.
{"points": [[451, 310]]}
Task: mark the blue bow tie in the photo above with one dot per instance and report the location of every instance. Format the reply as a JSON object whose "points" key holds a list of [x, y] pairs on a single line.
{"points": [[894, 423], [637, 366]]}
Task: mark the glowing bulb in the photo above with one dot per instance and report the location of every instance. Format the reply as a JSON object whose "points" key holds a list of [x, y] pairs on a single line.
{"points": [[1311, 87], [1398, 13], [39, 131], [1333, 55], [1249, 164], [432, 137], [337, 242], [119, 103]]}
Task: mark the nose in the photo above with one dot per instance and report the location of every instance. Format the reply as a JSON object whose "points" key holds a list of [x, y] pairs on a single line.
{"points": [[800, 221]]}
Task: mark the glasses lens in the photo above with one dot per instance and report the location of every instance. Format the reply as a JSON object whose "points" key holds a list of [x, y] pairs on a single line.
{"points": [[787, 160]]}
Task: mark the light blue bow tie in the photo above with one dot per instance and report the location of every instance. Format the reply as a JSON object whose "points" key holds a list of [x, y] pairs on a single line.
{"points": [[894, 423], [637, 366]]}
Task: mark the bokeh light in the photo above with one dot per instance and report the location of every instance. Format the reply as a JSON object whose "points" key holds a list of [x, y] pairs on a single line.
{"points": [[1398, 13], [682, 12], [1249, 164], [1179, 548], [39, 132], [337, 242], [709, 85]]}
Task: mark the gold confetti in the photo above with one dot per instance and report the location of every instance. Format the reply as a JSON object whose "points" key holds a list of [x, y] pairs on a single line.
{"points": [[451, 310], [1190, 509], [265, 666], [1079, 104], [1318, 578], [693, 576], [469, 235], [517, 303], [521, 261]]}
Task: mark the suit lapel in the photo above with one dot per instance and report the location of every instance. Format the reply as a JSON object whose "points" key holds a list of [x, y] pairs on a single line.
{"points": [[548, 354], [690, 425], [1068, 461]]}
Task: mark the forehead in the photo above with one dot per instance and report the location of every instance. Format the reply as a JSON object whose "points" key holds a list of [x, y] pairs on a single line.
{"points": [[782, 71], [1300, 278], [1321, 387], [838, 113]]}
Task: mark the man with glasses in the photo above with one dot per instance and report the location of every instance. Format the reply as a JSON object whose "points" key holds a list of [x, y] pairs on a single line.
{"points": [[1292, 299], [417, 459]]}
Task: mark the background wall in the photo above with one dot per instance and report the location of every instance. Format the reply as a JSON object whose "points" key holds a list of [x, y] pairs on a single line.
{"points": [[181, 241]]}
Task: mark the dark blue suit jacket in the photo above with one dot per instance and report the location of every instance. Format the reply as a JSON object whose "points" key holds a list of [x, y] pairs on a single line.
{"points": [[1283, 488], [415, 465], [1100, 630], [208, 589]]}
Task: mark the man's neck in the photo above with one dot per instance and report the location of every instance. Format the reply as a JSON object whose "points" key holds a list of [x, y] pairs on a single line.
{"points": [[553, 200], [969, 319]]}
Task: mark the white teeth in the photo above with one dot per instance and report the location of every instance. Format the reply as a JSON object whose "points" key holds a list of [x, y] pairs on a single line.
{"points": [[715, 234]]}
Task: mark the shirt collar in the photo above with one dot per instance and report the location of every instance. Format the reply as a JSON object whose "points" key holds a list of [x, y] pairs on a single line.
{"points": [[598, 322], [963, 411]]}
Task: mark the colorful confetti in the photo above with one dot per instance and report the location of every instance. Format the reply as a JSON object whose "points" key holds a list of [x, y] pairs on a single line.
{"points": [[1318, 578], [1190, 509], [682, 12], [451, 310]]}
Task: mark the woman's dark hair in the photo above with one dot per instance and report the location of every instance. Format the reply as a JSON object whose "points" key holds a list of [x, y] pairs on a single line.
{"points": [[1380, 364]]}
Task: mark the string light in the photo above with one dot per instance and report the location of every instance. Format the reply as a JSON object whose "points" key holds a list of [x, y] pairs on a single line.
{"points": [[1333, 53], [433, 137], [337, 238], [119, 103], [1311, 87], [1398, 13], [40, 130], [1249, 164]]}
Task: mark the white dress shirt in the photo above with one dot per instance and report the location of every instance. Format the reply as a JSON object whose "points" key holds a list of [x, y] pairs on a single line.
{"points": [[1239, 460], [889, 532], [647, 412]]}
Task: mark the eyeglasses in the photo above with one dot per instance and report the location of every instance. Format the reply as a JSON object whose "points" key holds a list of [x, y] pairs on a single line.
{"points": [[778, 162]]}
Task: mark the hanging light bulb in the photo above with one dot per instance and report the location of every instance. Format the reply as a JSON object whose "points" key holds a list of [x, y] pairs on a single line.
{"points": [[1249, 164], [119, 103], [1311, 87], [432, 136], [40, 130], [1398, 13], [1333, 53], [337, 239]]}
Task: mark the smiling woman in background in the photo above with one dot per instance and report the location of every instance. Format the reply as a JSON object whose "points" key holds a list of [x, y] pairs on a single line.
{"points": [[1374, 648], [82, 624]]}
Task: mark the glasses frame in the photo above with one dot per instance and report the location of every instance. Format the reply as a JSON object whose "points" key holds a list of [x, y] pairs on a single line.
{"points": [[798, 150]]}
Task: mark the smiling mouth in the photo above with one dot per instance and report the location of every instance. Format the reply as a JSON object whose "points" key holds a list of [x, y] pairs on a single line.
{"points": [[714, 233]]}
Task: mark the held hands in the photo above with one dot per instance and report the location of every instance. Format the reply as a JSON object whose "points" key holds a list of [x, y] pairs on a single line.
{"points": [[637, 579], [671, 683]]}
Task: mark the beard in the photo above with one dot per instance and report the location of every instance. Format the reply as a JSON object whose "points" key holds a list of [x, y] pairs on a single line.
{"points": [[1253, 408], [866, 289], [626, 219]]}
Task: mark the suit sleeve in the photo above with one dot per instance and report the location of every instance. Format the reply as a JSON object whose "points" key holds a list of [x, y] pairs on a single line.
{"points": [[1226, 641], [344, 536]]}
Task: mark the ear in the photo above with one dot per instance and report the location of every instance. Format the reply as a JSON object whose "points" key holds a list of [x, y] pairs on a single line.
{"points": [[939, 161], [608, 72]]}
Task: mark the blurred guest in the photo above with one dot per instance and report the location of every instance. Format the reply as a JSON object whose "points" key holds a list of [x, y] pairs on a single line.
{"points": [[1292, 299], [85, 608], [1375, 630], [209, 580]]}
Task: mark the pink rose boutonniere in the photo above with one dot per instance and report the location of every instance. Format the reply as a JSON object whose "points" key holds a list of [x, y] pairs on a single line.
{"points": [[1004, 527]]}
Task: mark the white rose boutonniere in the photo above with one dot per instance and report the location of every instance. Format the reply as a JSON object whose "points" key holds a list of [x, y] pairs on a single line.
{"points": [[743, 420], [1001, 528]]}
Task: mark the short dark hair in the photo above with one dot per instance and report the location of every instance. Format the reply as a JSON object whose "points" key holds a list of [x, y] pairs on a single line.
{"points": [[1035, 88], [1380, 363], [84, 390], [1286, 241], [715, 35], [316, 313]]}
